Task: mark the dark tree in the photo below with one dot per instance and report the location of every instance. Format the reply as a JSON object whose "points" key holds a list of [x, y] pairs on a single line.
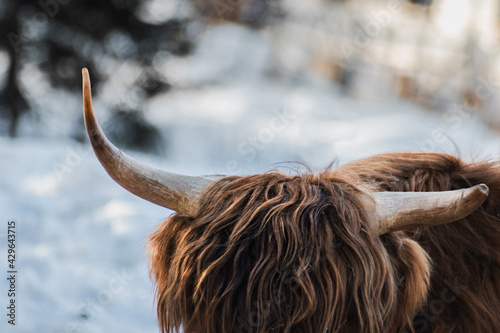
{"points": [[62, 36]]}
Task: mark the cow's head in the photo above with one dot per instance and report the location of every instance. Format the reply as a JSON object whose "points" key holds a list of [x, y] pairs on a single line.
{"points": [[273, 252]]}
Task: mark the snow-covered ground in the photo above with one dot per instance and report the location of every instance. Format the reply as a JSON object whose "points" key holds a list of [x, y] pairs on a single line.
{"points": [[81, 239]]}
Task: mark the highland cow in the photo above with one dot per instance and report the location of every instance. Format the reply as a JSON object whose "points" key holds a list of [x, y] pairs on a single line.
{"points": [[363, 248]]}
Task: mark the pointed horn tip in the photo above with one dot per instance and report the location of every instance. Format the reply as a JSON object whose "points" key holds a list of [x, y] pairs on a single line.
{"points": [[478, 194], [483, 188], [85, 75], [87, 94]]}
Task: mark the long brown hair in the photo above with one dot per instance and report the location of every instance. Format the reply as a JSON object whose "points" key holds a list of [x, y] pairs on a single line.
{"points": [[284, 253], [465, 280]]}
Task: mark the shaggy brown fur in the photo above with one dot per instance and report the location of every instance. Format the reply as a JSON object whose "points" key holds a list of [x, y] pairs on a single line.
{"points": [[280, 253], [465, 280]]}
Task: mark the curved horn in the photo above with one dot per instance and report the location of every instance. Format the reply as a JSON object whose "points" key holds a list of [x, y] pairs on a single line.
{"points": [[405, 210], [177, 192]]}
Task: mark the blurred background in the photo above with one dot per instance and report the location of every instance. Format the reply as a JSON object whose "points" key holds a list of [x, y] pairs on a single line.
{"points": [[206, 87]]}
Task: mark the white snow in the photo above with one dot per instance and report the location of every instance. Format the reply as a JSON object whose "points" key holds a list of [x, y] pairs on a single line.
{"points": [[81, 238]]}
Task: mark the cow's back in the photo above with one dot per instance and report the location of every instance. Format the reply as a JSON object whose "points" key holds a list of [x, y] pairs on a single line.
{"points": [[465, 278]]}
